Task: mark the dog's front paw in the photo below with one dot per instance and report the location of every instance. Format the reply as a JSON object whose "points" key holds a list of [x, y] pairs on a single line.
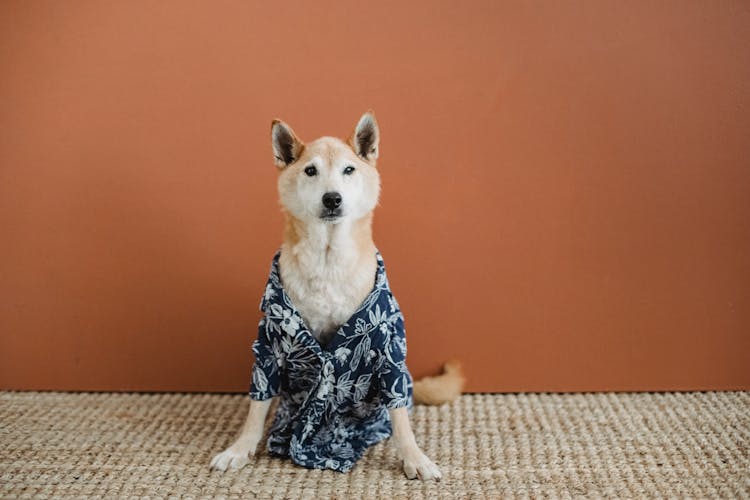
{"points": [[231, 458], [417, 465]]}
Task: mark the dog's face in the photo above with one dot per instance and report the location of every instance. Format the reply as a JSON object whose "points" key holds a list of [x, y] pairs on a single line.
{"points": [[328, 180]]}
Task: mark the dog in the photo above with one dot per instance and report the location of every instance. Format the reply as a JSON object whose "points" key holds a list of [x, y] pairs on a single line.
{"points": [[331, 344]]}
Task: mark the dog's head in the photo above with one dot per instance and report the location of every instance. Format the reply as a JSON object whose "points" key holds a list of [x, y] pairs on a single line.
{"points": [[328, 180]]}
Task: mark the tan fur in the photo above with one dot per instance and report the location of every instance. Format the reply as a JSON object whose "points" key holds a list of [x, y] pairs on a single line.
{"points": [[442, 388]]}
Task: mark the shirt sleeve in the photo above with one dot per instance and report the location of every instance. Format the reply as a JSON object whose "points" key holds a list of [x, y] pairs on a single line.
{"points": [[266, 377], [395, 379]]}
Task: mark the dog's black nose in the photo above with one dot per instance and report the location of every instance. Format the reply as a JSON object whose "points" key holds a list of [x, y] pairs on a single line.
{"points": [[332, 200]]}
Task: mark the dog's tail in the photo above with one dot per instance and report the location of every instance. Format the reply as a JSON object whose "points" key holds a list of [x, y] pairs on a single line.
{"points": [[442, 388]]}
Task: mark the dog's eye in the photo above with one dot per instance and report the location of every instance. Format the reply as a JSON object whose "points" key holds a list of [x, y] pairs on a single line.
{"points": [[311, 171], [348, 170]]}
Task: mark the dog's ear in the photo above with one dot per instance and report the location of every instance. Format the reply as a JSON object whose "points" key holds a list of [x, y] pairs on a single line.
{"points": [[286, 146], [366, 137]]}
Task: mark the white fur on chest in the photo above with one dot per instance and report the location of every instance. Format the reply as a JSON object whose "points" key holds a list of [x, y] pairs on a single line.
{"points": [[326, 278]]}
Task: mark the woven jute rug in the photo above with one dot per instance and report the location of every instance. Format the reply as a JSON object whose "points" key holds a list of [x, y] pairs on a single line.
{"points": [[55, 445]]}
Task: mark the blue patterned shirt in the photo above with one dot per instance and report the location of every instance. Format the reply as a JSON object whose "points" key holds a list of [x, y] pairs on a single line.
{"points": [[334, 399]]}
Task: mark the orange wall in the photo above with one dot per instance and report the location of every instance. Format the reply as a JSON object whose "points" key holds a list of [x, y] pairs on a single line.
{"points": [[566, 198]]}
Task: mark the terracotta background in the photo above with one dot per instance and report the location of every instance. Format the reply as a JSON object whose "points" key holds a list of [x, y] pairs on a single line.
{"points": [[566, 198]]}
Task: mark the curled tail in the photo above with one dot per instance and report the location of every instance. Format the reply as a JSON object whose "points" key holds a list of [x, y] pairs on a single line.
{"points": [[442, 388]]}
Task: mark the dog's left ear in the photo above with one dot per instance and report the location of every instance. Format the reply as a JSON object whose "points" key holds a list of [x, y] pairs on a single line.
{"points": [[366, 137]]}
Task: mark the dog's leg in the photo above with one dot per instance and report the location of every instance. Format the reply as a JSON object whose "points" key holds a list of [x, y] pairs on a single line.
{"points": [[236, 456], [416, 463]]}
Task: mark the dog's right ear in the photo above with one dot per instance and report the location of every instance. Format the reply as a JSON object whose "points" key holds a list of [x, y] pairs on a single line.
{"points": [[286, 146]]}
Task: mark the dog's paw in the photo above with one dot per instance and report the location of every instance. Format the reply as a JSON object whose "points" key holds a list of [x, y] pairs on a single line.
{"points": [[418, 466], [230, 459]]}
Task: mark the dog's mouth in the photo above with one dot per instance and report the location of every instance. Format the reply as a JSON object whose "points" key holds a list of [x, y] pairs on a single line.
{"points": [[330, 215]]}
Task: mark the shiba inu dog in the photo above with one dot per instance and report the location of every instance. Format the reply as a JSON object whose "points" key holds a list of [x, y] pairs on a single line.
{"points": [[328, 266]]}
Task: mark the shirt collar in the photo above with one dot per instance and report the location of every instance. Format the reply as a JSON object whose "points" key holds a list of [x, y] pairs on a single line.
{"points": [[275, 294]]}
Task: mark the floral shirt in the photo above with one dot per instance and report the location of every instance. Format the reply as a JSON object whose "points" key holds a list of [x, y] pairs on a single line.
{"points": [[334, 399]]}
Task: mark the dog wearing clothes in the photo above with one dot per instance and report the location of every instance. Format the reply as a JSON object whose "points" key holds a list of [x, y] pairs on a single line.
{"points": [[331, 343]]}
